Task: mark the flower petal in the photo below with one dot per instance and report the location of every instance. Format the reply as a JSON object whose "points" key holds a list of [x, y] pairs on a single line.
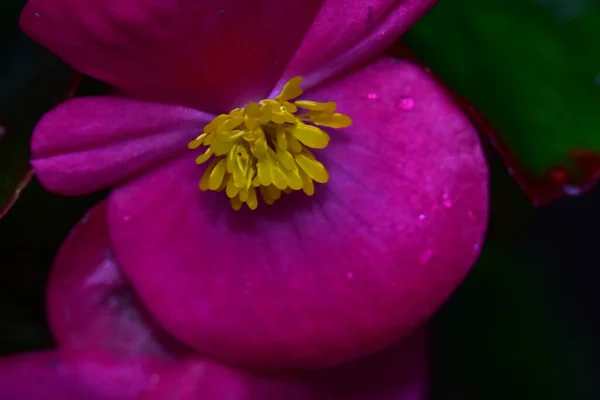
{"points": [[56, 375], [196, 379], [348, 33], [398, 373], [91, 305], [317, 280], [211, 55], [90, 143]]}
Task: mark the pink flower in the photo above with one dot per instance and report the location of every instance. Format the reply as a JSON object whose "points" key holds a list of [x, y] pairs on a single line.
{"points": [[308, 281], [110, 348]]}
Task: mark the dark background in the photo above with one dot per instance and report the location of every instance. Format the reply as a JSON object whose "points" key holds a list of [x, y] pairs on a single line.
{"points": [[524, 325]]}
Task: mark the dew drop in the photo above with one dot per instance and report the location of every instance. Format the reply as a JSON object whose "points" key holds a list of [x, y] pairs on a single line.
{"points": [[422, 217], [472, 216], [372, 96], [426, 256], [405, 103], [571, 190], [37, 15], [446, 202]]}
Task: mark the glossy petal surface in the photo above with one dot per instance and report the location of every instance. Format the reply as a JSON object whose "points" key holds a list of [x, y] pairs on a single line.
{"points": [[92, 306], [348, 33], [91, 143], [315, 281], [211, 55], [57, 375]]}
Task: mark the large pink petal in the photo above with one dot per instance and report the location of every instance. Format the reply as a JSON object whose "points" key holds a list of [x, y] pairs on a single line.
{"points": [[399, 373], [56, 375], [90, 143], [210, 55], [313, 281], [92, 306], [348, 33]]}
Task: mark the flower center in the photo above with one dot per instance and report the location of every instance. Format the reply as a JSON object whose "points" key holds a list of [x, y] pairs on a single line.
{"points": [[264, 147]]}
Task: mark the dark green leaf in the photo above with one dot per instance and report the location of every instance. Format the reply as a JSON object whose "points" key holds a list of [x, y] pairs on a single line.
{"points": [[531, 66]]}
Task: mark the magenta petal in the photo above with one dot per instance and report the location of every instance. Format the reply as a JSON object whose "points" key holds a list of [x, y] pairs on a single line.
{"points": [[56, 375], [315, 281], [398, 373], [197, 379], [348, 33], [92, 306], [210, 55], [90, 143]]}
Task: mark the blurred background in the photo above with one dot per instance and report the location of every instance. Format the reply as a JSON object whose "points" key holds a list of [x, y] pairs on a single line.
{"points": [[525, 323]]}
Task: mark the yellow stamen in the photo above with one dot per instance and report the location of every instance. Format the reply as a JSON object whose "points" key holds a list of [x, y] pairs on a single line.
{"points": [[264, 147]]}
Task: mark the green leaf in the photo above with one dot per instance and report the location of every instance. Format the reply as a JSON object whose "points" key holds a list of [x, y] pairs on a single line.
{"points": [[31, 82], [531, 66]]}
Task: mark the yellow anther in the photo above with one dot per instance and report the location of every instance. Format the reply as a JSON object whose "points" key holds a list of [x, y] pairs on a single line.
{"points": [[290, 90], [264, 147]]}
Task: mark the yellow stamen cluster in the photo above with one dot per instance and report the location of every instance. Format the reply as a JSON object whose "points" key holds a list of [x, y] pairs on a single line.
{"points": [[264, 147]]}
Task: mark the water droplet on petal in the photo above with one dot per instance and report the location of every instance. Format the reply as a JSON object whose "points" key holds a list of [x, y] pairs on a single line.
{"points": [[472, 216], [372, 96], [426, 256], [476, 248], [126, 218], [405, 103], [446, 202], [422, 217], [349, 275]]}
